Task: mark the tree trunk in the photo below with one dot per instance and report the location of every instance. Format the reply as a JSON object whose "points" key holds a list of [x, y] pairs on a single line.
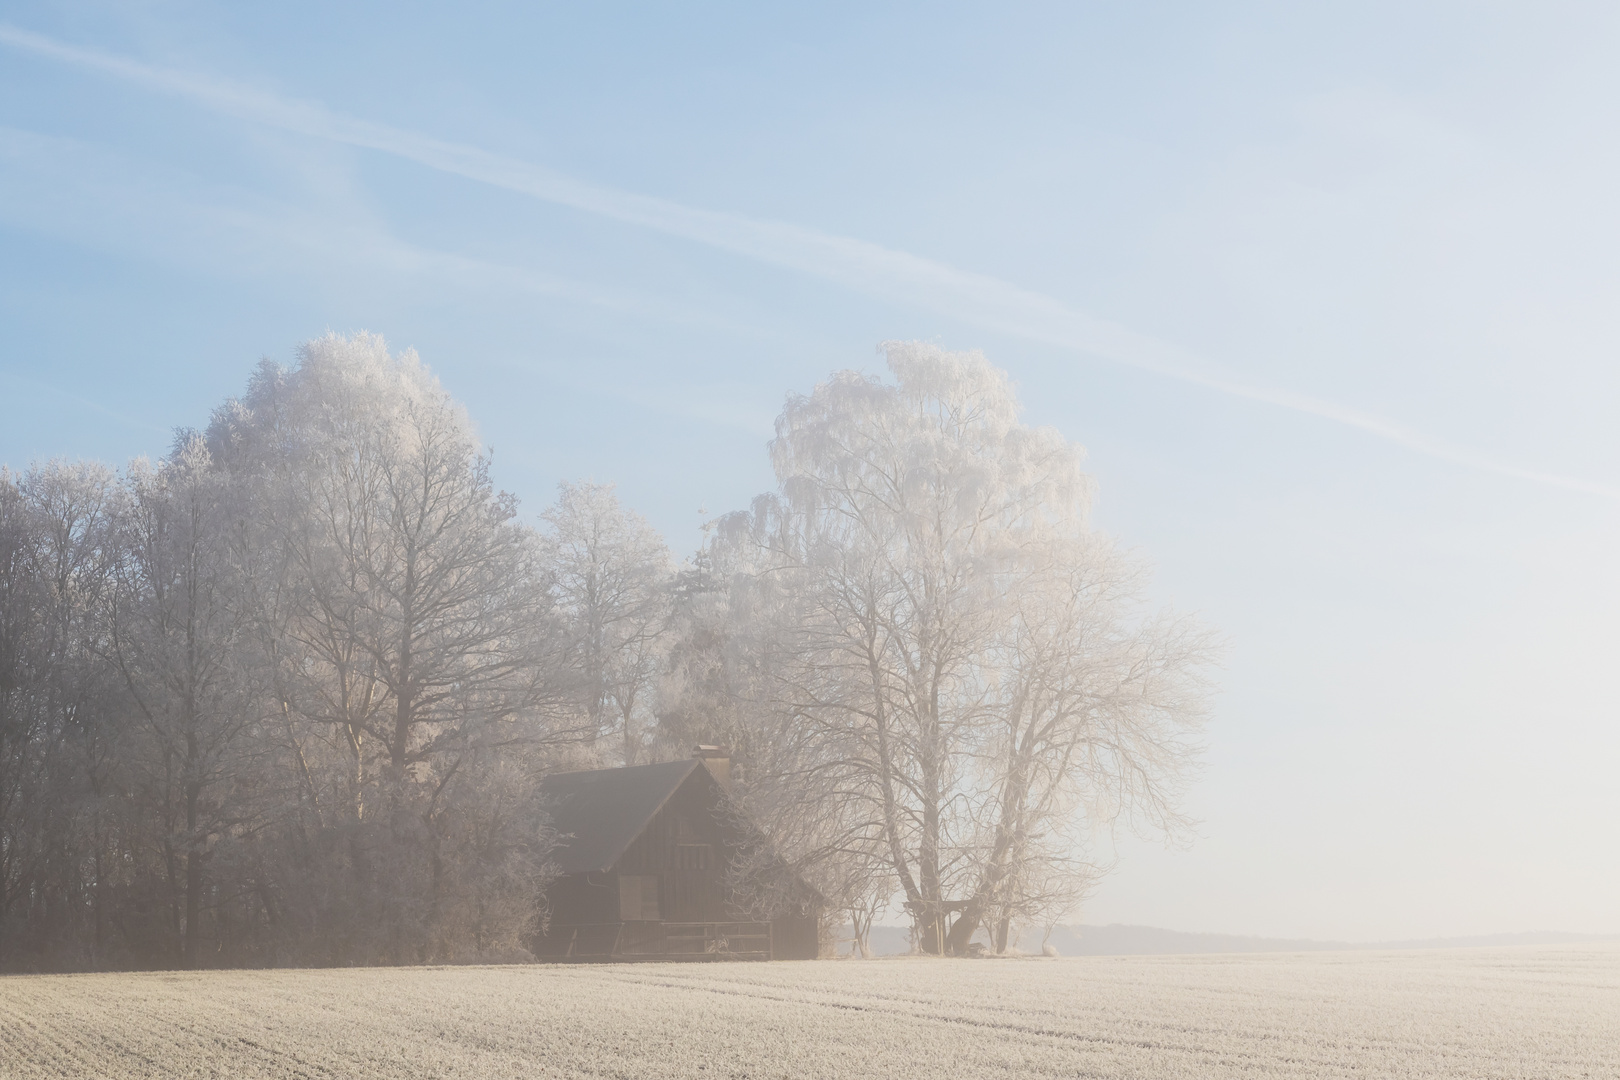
{"points": [[891, 809], [1014, 793], [932, 929], [194, 881]]}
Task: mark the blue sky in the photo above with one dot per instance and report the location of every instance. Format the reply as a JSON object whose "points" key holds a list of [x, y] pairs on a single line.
{"points": [[1328, 292]]}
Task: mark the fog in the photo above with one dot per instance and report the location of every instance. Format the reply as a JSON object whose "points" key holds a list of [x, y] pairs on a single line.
{"points": [[1326, 298]]}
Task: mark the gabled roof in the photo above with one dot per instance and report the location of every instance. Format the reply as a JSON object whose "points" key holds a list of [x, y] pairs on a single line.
{"points": [[599, 814]]}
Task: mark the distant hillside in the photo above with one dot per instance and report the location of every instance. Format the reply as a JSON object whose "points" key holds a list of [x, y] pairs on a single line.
{"points": [[1121, 940]]}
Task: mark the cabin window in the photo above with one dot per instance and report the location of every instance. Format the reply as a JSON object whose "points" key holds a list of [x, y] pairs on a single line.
{"points": [[694, 857], [638, 897]]}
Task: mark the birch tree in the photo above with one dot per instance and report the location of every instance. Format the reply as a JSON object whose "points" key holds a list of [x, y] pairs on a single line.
{"points": [[952, 648]]}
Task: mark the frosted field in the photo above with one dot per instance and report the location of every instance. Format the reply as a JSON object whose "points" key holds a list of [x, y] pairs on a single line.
{"points": [[1532, 1012]]}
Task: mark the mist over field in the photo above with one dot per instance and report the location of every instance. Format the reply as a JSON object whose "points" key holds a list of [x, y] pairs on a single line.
{"points": [[1098, 525], [1323, 295]]}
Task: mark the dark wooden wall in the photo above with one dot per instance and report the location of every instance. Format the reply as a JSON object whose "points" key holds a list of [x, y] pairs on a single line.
{"points": [[684, 847], [579, 899], [677, 869]]}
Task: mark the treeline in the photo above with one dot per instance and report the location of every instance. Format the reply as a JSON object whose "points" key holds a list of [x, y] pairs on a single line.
{"points": [[285, 696]]}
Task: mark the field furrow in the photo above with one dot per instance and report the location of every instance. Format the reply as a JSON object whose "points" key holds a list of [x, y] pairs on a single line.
{"points": [[1483, 1015]]}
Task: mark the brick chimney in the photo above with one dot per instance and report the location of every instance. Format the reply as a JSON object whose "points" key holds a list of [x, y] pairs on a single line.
{"points": [[717, 759]]}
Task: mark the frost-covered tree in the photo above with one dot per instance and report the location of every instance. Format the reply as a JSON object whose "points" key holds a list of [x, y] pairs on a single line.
{"points": [[408, 611], [949, 661], [286, 695], [67, 845], [611, 572], [180, 636], [24, 714], [1091, 716]]}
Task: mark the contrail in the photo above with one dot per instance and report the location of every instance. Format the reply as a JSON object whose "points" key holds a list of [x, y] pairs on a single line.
{"points": [[869, 268]]}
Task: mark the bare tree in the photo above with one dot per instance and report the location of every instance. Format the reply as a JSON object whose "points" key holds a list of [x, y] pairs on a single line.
{"points": [[952, 656], [79, 773], [288, 694], [177, 630], [1095, 712], [612, 576], [24, 738], [413, 627]]}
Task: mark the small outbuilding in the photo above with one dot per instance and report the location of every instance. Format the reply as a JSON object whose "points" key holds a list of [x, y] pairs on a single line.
{"points": [[651, 860]]}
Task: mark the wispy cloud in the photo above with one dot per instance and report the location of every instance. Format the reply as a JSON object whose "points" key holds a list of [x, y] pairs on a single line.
{"points": [[69, 189], [869, 268]]}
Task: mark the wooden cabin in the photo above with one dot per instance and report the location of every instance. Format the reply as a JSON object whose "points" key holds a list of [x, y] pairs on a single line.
{"points": [[644, 853]]}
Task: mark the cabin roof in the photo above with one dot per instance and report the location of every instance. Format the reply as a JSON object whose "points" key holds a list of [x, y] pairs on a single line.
{"points": [[598, 814]]}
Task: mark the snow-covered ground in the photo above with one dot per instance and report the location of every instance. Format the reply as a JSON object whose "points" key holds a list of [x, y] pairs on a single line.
{"points": [[1481, 1013]]}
